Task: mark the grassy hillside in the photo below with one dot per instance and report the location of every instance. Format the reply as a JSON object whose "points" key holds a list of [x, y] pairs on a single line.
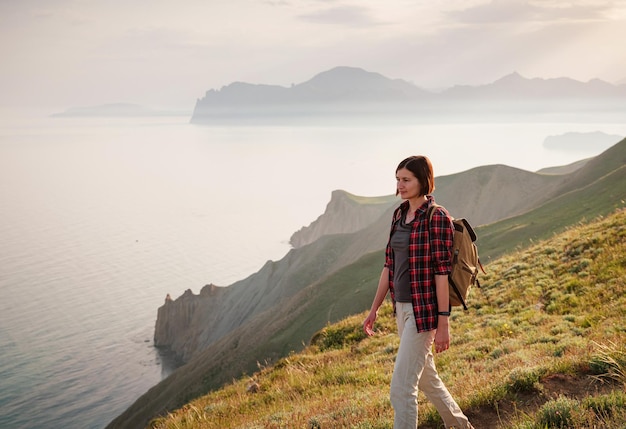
{"points": [[542, 346], [297, 313], [599, 197]]}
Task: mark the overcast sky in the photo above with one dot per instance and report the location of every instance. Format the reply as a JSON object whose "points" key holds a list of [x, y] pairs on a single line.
{"points": [[167, 53]]}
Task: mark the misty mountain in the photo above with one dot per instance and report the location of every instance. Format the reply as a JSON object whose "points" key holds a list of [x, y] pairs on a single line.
{"points": [[338, 85], [516, 87], [112, 110], [223, 333], [353, 91], [107, 110], [350, 84], [573, 141]]}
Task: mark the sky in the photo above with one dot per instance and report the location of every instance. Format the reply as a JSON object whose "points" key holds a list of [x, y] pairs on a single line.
{"points": [[168, 53]]}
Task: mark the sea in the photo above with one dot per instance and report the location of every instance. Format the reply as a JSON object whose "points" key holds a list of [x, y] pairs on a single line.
{"points": [[101, 218]]}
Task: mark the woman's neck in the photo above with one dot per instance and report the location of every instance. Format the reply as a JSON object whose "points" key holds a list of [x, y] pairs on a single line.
{"points": [[416, 203]]}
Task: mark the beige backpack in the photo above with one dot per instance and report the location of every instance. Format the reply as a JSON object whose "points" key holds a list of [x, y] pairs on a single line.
{"points": [[465, 261]]}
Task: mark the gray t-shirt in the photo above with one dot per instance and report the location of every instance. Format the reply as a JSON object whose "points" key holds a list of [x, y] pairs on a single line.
{"points": [[400, 245]]}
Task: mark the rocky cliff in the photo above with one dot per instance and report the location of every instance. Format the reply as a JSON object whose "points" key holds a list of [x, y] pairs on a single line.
{"points": [[191, 323], [345, 213], [179, 316]]}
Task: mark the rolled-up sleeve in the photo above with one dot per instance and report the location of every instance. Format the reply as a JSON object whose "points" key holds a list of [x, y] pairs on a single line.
{"points": [[442, 231], [397, 214]]}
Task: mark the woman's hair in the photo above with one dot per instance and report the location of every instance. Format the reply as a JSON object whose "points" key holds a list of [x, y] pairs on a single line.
{"points": [[422, 169]]}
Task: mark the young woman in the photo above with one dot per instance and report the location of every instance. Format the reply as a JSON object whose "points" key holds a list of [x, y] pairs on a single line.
{"points": [[417, 264]]}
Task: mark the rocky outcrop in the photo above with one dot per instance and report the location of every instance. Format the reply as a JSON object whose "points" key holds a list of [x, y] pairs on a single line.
{"points": [[345, 213], [192, 323], [176, 320]]}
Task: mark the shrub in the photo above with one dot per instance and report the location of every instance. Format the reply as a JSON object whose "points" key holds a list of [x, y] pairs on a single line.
{"points": [[337, 336], [558, 413], [523, 380]]}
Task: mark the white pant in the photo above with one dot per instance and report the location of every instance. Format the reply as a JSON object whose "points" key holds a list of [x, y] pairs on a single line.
{"points": [[415, 368]]}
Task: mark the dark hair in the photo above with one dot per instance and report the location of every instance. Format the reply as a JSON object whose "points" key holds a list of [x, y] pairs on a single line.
{"points": [[422, 169]]}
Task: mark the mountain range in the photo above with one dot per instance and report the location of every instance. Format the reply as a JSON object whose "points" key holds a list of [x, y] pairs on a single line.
{"points": [[350, 91], [333, 269]]}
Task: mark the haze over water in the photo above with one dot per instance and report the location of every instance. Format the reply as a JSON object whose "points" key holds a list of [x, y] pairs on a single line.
{"points": [[101, 218]]}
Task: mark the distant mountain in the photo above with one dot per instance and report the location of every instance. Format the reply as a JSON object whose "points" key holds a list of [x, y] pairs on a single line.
{"points": [[514, 86], [350, 91], [573, 141], [336, 90], [350, 84], [341, 84], [112, 110], [224, 332], [106, 110]]}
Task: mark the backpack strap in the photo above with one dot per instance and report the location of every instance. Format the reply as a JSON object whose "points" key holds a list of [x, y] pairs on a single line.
{"points": [[431, 211]]}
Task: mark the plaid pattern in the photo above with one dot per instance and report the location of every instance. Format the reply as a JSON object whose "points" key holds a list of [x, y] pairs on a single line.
{"points": [[427, 256]]}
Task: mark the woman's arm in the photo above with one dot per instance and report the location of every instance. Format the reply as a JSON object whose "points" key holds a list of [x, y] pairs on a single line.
{"points": [[442, 336], [381, 293]]}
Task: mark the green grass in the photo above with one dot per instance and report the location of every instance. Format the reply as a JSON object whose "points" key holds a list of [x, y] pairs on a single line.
{"points": [[309, 294], [540, 347]]}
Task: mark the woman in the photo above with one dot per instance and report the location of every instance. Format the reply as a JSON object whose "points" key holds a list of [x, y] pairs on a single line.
{"points": [[417, 264]]}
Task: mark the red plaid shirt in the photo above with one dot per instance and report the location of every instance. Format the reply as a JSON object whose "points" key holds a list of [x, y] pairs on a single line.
{"points": [[430, 251]]}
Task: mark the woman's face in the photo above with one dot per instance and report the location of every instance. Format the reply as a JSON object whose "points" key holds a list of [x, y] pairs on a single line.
{"points": [[407, 184]]}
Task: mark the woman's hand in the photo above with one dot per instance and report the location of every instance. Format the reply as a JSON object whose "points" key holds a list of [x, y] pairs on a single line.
{"points": [[381, 293], [442, 336], [368, 324]]}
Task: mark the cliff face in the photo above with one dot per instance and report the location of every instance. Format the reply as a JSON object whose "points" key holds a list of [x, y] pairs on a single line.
{"points": [[345, 213], [192, 323], [176, 326]]}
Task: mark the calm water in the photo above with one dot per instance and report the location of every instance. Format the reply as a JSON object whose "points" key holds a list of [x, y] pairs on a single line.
{"points": [[101, 218]]}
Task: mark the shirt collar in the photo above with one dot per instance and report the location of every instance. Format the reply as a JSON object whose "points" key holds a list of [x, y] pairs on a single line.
{"points": [[423, 208]]}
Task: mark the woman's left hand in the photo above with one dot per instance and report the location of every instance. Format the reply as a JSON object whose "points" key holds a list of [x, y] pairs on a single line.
{"points": [[442, 337]]}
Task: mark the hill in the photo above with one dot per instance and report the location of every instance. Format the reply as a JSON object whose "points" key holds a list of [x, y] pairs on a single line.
{"points": [[542, 346], [335, 276], [354, 92]]}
